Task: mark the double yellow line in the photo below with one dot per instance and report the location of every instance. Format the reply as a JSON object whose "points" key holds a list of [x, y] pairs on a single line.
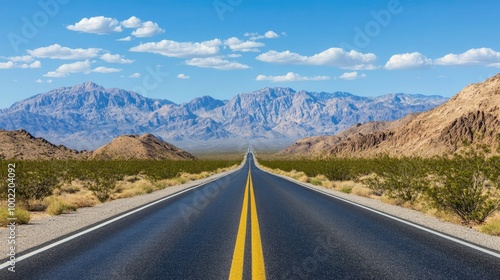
{"points": [[258, 268]]}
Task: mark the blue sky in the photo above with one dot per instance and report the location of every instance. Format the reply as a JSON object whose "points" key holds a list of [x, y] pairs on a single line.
{"points": [[179, 50]]}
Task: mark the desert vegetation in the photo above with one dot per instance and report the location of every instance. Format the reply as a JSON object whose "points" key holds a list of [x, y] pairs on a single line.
{"points": [[59, 186], [464, 188]]}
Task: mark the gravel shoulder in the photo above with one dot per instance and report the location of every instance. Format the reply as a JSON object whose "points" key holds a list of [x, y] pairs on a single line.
{"points": [[46, 229], [458, 231]]}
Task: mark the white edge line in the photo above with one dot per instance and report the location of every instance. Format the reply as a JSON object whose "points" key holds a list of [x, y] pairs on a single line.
{"points": [[456, 240], [52, 245]]}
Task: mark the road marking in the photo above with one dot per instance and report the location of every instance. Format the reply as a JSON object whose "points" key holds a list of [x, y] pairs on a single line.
{"points": [[52, 245], [258, 267], [440, 234], [239, 248]]}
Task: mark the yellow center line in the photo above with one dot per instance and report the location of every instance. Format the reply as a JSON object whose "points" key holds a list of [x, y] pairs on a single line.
{"points": [[239, 248], [258, 268]]}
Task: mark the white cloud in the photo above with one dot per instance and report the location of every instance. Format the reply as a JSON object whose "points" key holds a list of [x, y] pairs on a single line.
{"points": [[106, 70], [180, 49], [7, 65], [13, 64], [414, 60], [216, 63], [148, 29], [481, 56], [49, 81], [132, 22], [35, 64], [236, 44], [351, 76], [271, 35], [99, 25], [57, 51], [336, 57], [67, 69], [256, 36], [183, 77], [291, 77], [41, 81], [24, 58], [135, 75], [234, 55], [115, 58], [125, 39]]}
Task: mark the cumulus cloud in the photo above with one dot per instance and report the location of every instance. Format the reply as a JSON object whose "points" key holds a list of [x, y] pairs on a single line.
{"points": [[472, 57], [180, 49], [115, 58], [7, 65], [132, 22], [99, 25], [183, 77], [14, 64], [148, 29], [41, 81], [67, 69], [335, 57], [57, 51], [24, 58], [135, 75], [256, 36], [236, 44], [351, 76], [291, 77], [79, 67], [216, 63], [414, 60], [106, 70], [34, 64], [125, 39]]}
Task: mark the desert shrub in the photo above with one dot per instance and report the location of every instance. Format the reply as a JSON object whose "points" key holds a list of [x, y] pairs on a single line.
{"points": [[22, 215], [57, 207], [403, 179], [465, 188]]}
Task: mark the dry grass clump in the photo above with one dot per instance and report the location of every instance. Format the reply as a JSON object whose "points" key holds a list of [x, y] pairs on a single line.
{"points": [[56, 206], [22, 215], [492, 225]]}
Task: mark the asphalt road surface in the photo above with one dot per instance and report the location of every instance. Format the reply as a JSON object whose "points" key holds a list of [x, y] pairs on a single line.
{"points": [[253, 225]]}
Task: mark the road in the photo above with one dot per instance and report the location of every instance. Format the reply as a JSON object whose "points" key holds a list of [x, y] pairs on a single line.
{"points": [[253, 225]]}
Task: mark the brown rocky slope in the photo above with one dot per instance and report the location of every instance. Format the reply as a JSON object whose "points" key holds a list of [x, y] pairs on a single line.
{"points": [[146, 146], [19, 144], [470, 118]]}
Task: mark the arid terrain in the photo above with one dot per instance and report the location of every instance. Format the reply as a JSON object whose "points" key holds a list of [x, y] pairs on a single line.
{"points": [[470, 118]]}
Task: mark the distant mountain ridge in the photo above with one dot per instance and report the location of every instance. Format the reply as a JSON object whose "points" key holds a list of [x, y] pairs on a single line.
{"points": [[87, 116], [469, 119]]}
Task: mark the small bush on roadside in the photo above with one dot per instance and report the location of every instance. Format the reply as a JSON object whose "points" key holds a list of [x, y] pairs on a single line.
{"points": [[22, 215], [56, 206]]}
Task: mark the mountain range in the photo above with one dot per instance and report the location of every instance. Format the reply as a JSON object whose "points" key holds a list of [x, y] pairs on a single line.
{"points": [[86, 116], [469, 119]]}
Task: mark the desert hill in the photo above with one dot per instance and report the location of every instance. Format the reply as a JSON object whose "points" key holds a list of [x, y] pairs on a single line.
{"points": [[19, 144], [470, 118], [146, 146]]}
